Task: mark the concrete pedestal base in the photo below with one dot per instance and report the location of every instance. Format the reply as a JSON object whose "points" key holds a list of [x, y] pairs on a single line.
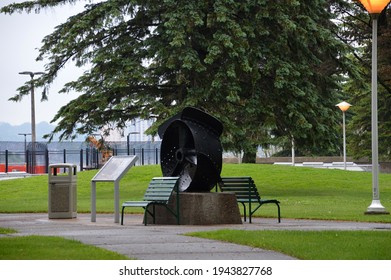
{"points": [[200, 209]]}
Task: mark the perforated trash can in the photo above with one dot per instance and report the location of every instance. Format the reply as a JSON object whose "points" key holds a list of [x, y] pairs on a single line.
{"points": [[62, 191]]}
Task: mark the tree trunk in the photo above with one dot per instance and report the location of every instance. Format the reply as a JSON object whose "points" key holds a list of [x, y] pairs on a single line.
{"points": [[249, 156]]}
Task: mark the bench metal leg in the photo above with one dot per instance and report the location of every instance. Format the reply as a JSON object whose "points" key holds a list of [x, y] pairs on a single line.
{"points": [[154, 213], [122, 216], [244, 210], [145, 215], [250, 213], [278, 209], [146, 212]]}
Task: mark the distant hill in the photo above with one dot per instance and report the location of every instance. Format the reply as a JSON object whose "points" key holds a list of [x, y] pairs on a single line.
{"points": [[10, 132], [136, 132]]}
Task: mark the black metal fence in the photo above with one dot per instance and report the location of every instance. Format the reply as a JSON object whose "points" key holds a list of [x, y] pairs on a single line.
{"points": [[35, 159]]}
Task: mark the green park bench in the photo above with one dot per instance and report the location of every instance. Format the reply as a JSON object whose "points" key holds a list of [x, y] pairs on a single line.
{"points": [[158, 192], [246, 192]]}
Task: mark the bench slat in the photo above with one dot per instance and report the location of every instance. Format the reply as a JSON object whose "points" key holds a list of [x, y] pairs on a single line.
{"points": [[135, 203]]}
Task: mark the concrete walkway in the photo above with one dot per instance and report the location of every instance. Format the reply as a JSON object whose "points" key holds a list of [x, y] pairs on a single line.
{"points": [[162, 242]]}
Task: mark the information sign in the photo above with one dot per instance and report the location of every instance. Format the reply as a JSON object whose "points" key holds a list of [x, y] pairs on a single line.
{"points": [[113, 171]]}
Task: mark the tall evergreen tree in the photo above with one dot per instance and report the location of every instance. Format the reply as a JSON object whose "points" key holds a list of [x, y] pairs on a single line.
{"points": [[268, 69]]}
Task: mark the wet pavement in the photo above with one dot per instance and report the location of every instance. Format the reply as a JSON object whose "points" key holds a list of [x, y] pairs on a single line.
{"points": [[165, 242]]}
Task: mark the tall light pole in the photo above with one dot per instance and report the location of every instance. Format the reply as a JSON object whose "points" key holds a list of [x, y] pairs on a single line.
{"points": [[32, 74], [25, 144], [293, 150], [375, 7], [128, 140], [344, 106], [33, 132]]}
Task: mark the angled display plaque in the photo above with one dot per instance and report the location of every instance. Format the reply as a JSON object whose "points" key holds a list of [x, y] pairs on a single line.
{"points": [[113, 171]]}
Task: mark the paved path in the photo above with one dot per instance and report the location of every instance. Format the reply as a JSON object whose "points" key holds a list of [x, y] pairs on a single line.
{"points": [[163, 242]]}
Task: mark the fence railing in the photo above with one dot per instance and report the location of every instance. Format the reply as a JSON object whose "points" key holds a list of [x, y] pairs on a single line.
{"points": [[37, 162]]}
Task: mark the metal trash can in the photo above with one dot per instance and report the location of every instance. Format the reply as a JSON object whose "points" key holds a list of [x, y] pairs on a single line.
{"points": [[62, 191]]}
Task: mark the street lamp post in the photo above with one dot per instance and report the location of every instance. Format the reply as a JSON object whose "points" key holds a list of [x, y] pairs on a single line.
{"points": [[25, 144], [375, 7], [32, 74], [128, 140], [33, 132], [344, 106], [293, 150]]}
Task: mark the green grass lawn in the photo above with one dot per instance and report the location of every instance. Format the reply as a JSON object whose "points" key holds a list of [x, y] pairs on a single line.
{"points": [[306, 245], [305, 193], [7, 230], [51, 248], [312, 245]]}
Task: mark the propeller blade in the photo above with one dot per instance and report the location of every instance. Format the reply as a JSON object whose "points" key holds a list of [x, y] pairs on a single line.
{"points": [[177, 169], [185, 137]]}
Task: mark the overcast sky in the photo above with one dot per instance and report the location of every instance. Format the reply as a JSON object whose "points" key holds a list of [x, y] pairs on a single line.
{"points": [[21, 36]]}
